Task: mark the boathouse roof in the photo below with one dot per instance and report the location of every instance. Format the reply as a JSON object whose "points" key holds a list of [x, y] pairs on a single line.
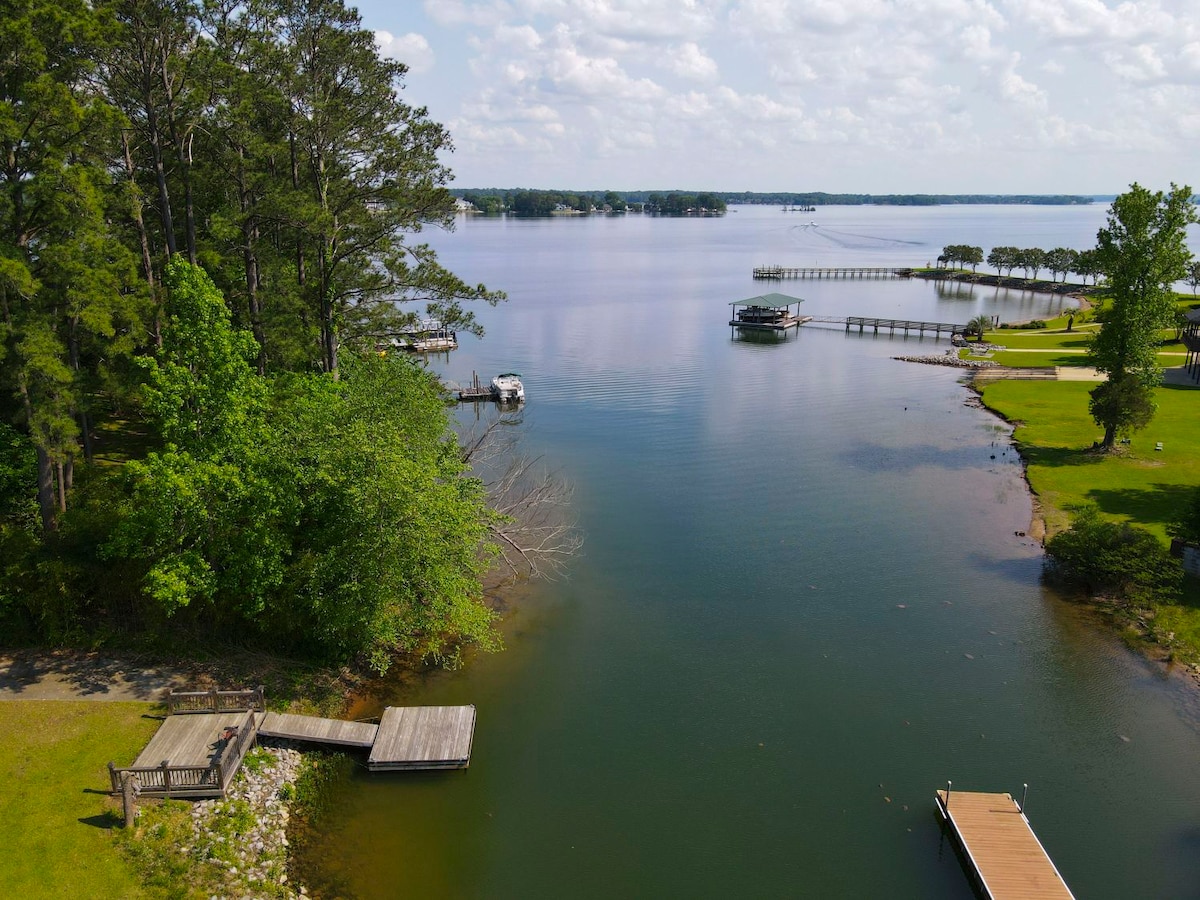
{"points": [[769, 301]]}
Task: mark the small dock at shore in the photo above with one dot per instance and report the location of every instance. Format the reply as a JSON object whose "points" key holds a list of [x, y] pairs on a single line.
{"points": [[1007, 860], [205, 736], [778, 273]]}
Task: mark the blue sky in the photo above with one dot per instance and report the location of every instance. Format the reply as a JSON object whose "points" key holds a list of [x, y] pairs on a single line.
{"points": [[879, 96]]}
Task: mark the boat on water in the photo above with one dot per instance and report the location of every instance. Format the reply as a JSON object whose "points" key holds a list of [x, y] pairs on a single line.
{"points": [[507, 388]]}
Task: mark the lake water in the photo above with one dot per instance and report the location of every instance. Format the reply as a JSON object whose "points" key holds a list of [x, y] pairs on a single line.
{"points": [[803, 604]]}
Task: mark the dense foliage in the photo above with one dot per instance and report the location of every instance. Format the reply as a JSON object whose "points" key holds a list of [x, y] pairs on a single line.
{"points": [[206, 211], [1142, 252], [1115, 559], [547, 203]]}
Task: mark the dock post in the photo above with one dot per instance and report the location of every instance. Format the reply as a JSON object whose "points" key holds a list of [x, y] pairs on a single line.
{"points": [[128, 807], [1024, 794], [949, 784]]}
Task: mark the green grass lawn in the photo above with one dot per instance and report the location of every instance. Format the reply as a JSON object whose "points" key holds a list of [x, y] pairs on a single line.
{"points": [[55, 825], [1140, 484]]}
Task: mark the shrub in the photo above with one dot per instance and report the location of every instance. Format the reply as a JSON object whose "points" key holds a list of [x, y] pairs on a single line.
{"points": [[1117, 559]]}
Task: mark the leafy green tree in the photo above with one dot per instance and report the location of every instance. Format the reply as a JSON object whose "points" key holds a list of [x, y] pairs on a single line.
{"points": [[337, 518], [978, 326], [392, 535], [1086, 264], [372, 174], [1031, 259], [1113, 558], [1003, 259], [1142, 252], [66, 300], [971, 256], [1121, 405], [1193, 276], [614, 201], [1187, 526], [1060, 260], [206, 514]]}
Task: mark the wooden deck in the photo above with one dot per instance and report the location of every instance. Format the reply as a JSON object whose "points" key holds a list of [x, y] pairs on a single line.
{"points": [[423, 737], [1008, 859], [319, 731], [189, 756]]}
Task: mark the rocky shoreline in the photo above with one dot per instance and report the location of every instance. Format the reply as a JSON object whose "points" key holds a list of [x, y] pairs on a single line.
{"points": [[950, 358], [242, 839]]}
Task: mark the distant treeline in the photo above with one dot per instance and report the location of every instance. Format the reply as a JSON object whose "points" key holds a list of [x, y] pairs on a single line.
{"points": [[494, 201], [822, 199], [498, 200]]}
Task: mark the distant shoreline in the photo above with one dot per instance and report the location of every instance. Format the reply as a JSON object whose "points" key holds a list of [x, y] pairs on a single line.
{"points": [[1036, 285]]}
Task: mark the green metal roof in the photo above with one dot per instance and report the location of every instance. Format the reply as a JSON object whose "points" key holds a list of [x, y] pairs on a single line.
{"points": [[769, 301]]}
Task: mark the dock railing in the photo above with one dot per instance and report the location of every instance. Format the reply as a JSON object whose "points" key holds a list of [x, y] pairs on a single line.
{"points": [[214, 701], [166, 780]]}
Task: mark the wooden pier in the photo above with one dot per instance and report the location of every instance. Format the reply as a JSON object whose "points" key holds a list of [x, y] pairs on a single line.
{"points": [[200, 745], [906, 325], [1007, 859], [776, 273]]}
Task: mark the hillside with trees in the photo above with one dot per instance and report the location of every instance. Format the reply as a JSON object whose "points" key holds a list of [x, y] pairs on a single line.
{"points": [[208, 221]]}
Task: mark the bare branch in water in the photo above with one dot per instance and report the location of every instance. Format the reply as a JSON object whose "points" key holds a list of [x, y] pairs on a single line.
{"points": [[535, 529]]}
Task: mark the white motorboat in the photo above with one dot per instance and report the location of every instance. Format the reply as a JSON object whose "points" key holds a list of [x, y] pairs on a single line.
{"points": [[507, 388]]}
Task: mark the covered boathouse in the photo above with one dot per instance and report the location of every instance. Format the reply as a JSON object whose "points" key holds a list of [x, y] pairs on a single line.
{"points": [[768, 312]]}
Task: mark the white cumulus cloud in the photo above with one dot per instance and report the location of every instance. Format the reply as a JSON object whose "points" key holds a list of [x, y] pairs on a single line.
{"points": [[411, 49]]}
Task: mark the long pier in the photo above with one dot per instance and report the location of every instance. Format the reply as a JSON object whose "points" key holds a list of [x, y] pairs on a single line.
{"points": [[1007, 859], [891, 325], [781, 272]]}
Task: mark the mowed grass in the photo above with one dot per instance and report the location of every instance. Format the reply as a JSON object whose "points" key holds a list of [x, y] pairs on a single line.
{"points": [[1055, 346], [55, 822], [1140, 484]]}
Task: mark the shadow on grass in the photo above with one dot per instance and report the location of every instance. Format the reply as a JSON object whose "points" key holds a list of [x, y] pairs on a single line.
{"points": [[1060, 456], [1160, 503], [106, 821]]}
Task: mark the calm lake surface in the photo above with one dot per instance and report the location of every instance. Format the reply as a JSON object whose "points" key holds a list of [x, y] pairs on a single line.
{"points": [[802, 605]]}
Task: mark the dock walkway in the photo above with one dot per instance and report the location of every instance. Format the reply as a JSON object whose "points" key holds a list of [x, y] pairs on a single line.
{"points": [[891, 325], [781, 272], [338, 732], [1008, 859], [200, 745]]}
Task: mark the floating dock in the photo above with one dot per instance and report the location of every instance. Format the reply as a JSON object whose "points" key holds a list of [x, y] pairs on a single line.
{"points": [[1007, 859], [423, 737]]}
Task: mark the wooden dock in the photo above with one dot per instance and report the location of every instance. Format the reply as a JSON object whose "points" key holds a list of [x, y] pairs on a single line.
{"points": [[906, 325], [775, 273], [312, 729], [200, 745], [423, 737], [1007, 858]]}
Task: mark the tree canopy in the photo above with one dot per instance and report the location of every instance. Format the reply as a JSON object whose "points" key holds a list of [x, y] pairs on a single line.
{"points": [[1142, 251], [209, 220]]}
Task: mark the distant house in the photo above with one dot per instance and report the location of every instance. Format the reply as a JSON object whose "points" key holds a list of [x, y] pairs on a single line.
{"points": [[463, 206], [1191, 341]]}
